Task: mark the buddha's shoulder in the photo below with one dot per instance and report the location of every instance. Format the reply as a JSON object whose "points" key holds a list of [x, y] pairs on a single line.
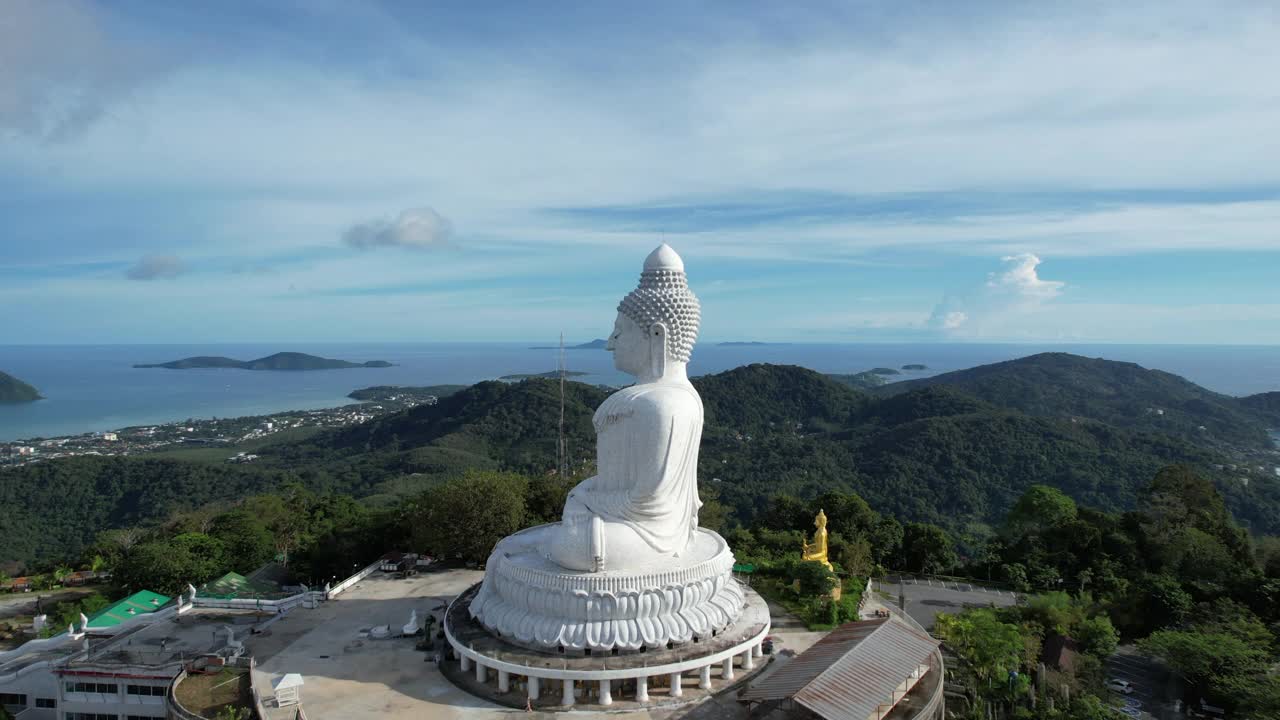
{"points": [[657, 398]]}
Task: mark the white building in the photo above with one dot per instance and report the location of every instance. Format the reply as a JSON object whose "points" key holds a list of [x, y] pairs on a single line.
{"points": [[122, 672]]}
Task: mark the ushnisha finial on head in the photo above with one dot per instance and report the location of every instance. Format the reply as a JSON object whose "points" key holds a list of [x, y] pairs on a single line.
{"points": [[664, 299]]}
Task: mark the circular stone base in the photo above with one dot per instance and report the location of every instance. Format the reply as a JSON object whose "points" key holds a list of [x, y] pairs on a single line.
{"points": [[526, 599], [699, 666]]}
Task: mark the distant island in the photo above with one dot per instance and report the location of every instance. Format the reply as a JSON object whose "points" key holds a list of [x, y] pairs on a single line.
{"points": [[13, 390], [746, 343], [553, 375], [863, 380], [597, 344], [884, 371], [915, 367], [279, 361]]}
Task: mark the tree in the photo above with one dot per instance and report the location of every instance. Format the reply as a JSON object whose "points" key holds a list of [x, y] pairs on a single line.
{"points": [[989, 647], [814, 578], [246, 538], [1096, 636], [464, 518], [927, 548], [1201, 656], [1040, 509], [886, 540], [167, 566], [853, 556]]}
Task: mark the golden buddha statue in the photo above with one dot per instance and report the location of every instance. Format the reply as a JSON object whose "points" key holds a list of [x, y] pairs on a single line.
{"points": [[816, 551]]}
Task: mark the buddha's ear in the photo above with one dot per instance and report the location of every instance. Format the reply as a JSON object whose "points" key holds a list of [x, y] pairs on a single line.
{"points": [[658, 348]]}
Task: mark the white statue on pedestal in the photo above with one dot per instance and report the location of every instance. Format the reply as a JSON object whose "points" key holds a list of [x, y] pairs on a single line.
{"points": [[643, 504], [627, 568]]}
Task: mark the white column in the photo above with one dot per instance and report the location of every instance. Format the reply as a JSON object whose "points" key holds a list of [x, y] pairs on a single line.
{"points": [[504, 681], [642, 689], [606, 692], [466, 663], [481, 673], [758, 650], [747, 662], [567, 698], [727, 673], [534, 690], [676, 689], [704, 677]]}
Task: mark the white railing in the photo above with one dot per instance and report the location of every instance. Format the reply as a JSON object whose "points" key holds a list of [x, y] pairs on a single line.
{"points": [[279, 605], [346, 584]]}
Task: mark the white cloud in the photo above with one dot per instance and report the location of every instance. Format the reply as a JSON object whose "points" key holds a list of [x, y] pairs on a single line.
{"points": [[1020, 281], [1004, 305], [417, 228]]}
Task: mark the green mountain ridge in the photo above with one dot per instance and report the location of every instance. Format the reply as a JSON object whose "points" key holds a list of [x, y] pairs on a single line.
{"points": [[278, 361], [13, 390], [1065, 386], [936, 453]]}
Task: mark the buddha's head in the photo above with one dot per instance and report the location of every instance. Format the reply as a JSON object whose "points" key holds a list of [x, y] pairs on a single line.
{"points": [[658, 321]]}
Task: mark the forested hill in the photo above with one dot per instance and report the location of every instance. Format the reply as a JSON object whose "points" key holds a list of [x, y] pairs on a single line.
{"points": [[1126, 395], [1266, 404], [934, 453], [13, 390]]}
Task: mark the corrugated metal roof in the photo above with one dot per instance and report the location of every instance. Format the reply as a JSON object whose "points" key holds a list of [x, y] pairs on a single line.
{"points": [[852, 671]]}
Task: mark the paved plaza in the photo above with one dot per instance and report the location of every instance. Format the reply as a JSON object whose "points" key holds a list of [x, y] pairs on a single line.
{"points": [[348, 674], [926, 597]]}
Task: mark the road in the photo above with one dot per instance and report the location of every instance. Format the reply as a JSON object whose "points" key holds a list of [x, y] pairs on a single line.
{"points": [[24, 604], [1150, 683], [926, 597]]}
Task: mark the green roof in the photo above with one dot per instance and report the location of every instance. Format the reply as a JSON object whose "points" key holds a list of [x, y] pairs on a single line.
{"points": [[235, 585], [141, 603]]}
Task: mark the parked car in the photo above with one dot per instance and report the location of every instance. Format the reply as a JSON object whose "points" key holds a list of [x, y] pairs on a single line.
{"points": [[1120, 686]]}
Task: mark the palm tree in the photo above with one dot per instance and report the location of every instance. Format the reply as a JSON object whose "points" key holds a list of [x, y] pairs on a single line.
{"points": [[61, 573]]}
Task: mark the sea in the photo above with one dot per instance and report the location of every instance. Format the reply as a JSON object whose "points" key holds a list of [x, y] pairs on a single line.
{"points": [[92, 388]]}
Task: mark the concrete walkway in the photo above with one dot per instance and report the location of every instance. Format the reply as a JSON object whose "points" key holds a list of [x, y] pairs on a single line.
{"points": [[348, 675]]}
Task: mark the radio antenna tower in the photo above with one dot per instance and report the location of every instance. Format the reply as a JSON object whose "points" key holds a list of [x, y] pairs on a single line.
{"points": [[562, 447]]}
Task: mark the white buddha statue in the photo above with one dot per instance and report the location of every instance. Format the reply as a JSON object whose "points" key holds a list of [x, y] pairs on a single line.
{"points": [[627, 567], [642, 506]]}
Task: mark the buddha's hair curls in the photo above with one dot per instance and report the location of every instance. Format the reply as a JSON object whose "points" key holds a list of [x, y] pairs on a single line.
{"points": [[664, 297]]}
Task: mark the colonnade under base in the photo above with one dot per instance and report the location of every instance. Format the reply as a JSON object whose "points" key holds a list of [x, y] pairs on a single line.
{"points": [[643, 687]]}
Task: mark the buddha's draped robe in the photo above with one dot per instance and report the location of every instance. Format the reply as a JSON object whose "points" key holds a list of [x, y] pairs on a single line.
{"points": [[647, 439]]}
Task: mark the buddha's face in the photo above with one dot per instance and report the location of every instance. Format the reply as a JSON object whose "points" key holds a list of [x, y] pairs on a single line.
{"points": [[629, 344]]}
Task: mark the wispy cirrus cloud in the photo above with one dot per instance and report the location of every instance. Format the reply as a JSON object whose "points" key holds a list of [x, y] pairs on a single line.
{"points": [[905, 146]]}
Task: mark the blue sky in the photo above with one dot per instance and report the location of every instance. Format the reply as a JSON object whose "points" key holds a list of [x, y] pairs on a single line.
{"points": [[330, 171]]}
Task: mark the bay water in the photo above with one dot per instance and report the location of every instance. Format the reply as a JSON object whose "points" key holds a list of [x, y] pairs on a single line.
{"points": [[91, 388]]}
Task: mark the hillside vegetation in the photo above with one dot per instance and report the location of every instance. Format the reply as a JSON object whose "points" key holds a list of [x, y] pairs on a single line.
{"points": [[1061, 385], [934, 453]]}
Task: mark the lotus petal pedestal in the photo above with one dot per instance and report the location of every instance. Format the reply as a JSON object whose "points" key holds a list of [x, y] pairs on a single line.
{"points": [[528, 600]]}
